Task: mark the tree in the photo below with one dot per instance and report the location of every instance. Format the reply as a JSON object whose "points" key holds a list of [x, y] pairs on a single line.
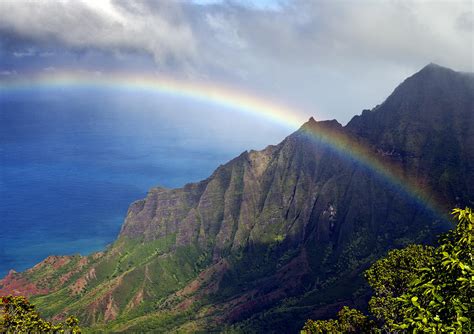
{"points": [[390, 278], [417, 289], [17, 315], [350, 321], [442, 298]]}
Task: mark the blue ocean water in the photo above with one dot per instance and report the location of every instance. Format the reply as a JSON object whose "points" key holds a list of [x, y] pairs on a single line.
{"points": [[72, 162]]}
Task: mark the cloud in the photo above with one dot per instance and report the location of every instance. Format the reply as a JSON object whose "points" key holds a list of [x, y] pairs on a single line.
{"points": [[8, 73], [225, 31], [26, 53], [465, 21], [182, 32], [334, 58], [46, 54], [102, 24], [330, 32]]}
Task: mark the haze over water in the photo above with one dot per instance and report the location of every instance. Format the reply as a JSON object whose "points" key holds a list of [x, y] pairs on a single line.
{"points": [[73, 161]]}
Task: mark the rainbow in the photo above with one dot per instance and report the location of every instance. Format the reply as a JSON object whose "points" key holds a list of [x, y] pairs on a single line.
{"points": [[235, 100], [227, 97]]}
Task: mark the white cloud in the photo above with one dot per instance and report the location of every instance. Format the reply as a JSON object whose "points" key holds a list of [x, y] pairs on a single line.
{"points": [[24, 53], [50, 69], [335, 58], [8, 73], [46, 54], [225, 31], [330, 32], [326, 32], [103, 24]]}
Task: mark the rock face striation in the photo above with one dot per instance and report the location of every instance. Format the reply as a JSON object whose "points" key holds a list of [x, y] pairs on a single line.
{"points": [[279, 235]]}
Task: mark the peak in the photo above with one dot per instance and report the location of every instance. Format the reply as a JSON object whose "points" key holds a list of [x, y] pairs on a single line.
{"points": [[430, 79], [328, 124], [310, 123], [420, 98], [433, 68]]}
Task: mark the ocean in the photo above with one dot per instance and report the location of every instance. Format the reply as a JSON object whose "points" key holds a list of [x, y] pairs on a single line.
{"points": [[73, 161]]}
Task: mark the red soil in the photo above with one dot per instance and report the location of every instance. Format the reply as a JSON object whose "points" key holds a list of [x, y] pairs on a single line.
{"points": [[15, 284]]}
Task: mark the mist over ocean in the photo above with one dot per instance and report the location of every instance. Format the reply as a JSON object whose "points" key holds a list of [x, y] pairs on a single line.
{"points": [[73, 161]]}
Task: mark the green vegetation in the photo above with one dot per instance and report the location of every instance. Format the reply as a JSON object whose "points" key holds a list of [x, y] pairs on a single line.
{"points": [[417, 289], [133, 280], [350, 321], [17, 315]]}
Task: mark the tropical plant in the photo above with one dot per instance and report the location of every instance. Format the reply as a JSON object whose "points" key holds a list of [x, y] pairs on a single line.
{"points": [[418, 289], [442, 298], [17, 315], [349, 321]]}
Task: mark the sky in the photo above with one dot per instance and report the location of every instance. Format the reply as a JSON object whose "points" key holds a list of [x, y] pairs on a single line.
{"points": [[327, 59]]}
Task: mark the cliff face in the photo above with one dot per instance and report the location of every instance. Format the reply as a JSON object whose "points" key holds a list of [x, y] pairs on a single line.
{"points": [[279, 235]]}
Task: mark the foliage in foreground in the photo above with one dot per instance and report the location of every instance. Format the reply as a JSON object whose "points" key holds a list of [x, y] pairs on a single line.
{"points": [[17, 315], [417, 289]]}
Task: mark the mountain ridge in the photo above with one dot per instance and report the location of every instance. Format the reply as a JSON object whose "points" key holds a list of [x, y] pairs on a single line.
{"points": [[279, 235]]}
